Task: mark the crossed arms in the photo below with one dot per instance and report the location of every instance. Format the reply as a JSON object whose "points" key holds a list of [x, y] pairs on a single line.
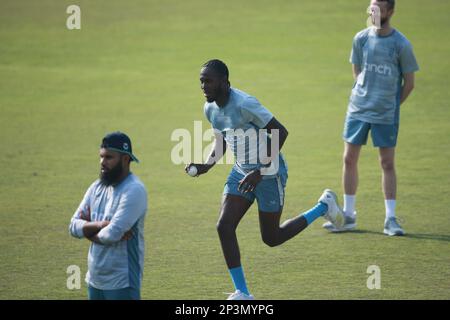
{"points": [[131, 208]]}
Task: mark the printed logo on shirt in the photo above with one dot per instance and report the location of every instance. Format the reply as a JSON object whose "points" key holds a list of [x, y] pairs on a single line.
{"points": [[380, 69]]}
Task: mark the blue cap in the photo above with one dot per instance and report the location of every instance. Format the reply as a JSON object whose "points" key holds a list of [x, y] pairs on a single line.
{"points": [[120, 142]]}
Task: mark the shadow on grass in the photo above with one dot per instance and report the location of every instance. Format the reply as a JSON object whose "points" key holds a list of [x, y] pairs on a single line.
{"points": [[420, 236], [360, 231], [426, 236]]}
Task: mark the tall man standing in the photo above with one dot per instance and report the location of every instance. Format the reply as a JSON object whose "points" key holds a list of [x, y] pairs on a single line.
{"points": [[383, 68], [111, 216]]}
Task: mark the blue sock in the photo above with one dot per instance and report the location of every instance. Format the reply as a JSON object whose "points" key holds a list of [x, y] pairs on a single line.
{"points": [[237, 275], [316, 212]]}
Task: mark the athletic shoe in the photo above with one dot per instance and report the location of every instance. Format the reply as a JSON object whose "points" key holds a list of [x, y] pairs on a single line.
{"points": [[334, 213], [349, 224], [238, 295], [392, 228]]}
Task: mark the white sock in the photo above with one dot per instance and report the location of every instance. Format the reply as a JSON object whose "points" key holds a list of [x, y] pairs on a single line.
{"points": [[349, 204], [390, 208]]}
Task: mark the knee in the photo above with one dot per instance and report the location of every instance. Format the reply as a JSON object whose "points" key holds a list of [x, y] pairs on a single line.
{"points": [[271, 241], [387, 164], [224, 227]]}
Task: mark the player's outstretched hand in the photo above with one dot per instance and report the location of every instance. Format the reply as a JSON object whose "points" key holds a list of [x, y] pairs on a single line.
{"points": [[195, 169], [250, 181]]}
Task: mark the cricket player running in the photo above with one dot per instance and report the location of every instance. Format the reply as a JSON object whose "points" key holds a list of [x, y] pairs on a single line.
{"points": [[111, 216], [383, 68], [242, 123]]}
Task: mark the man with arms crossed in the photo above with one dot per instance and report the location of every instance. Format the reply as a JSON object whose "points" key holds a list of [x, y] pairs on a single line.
{"points": [[383, 68], [111, 216]]}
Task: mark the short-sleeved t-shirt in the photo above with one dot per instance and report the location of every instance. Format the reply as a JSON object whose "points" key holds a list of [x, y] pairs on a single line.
{"points": [[239, 122], [383, 60], [114, 264]]}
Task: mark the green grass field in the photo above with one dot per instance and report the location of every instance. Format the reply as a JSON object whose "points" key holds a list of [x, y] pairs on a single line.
{"points": [[134, 67]]}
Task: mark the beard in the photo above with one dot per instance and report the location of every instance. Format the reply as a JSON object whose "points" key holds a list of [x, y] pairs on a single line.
{"points": [[218, 92], [213, 96], [111, 176]]}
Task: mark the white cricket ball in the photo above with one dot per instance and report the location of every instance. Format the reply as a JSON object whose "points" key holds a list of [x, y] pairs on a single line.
{"points": [[192, 171]]}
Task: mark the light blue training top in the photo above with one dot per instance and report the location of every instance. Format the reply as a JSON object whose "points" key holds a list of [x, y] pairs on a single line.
{"points": [[383, 61], [116, 263], [240, 121]]}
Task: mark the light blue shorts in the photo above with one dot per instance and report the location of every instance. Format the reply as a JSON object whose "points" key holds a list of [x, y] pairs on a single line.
{"points": [[383, 135], [119, 294], [269, 193]]}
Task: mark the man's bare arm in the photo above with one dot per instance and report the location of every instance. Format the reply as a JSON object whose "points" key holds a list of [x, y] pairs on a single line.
{"points": [[408, 86], [217, 152], [250, 181], [90, 229], [356, 71], [274, 124]]}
